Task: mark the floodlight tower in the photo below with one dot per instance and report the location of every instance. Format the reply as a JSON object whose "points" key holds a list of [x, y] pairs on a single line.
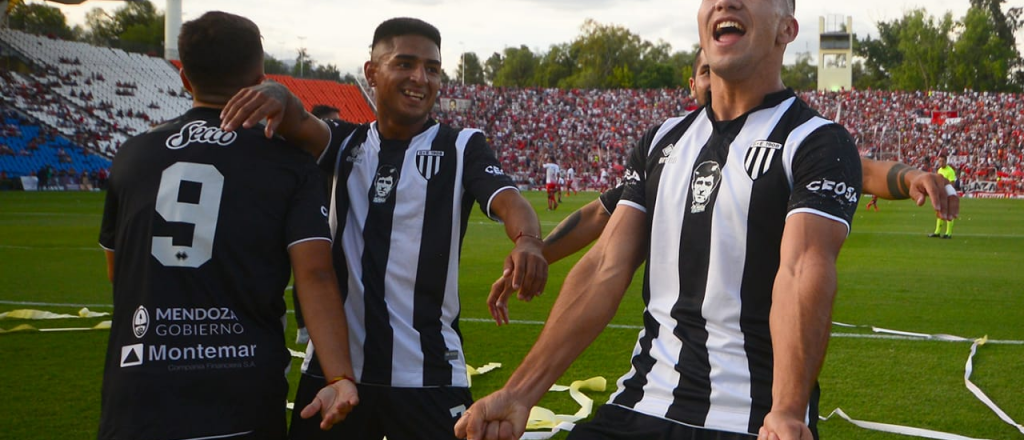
{"points": [[172, 26], [835, 53]]}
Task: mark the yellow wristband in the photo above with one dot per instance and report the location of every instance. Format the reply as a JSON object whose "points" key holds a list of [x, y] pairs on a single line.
{"points": [[337, 379]]}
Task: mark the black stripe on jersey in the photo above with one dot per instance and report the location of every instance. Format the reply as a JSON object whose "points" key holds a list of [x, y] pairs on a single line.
{"points": [[770, 194], [331, 165], [379, 345], [643, 362], [694, 365], [431, 280]]}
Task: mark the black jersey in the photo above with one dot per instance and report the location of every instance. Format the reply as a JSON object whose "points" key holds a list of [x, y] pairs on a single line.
{"points": [[399, 211], [200, 222], [717, 196]]}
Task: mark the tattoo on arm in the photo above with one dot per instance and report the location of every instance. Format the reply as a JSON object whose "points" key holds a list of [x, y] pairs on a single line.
{"points": [[897, 187], [563, 228]]}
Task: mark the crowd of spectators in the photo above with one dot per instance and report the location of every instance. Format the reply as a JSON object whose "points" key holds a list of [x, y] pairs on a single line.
{"points": [[592, 130]]}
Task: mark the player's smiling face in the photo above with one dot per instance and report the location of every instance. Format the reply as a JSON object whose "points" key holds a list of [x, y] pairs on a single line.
{"points": [[407, 75]]}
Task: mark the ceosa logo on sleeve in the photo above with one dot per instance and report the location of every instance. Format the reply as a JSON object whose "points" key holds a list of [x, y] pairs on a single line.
{"points": [[140, 322]]}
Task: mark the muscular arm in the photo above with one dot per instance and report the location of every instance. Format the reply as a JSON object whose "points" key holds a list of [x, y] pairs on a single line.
{"points": [[587, 302], [896, 181], [800, 317], [575, 232], [284, 113], [328, 328], [526, 262]]}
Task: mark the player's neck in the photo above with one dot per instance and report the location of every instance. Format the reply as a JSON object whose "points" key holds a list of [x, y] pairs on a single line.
{"points": [[397, 131], [732, 99]]}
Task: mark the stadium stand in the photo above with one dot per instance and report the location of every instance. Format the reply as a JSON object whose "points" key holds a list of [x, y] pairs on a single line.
{"points": [[97, 97], [982, 133]]}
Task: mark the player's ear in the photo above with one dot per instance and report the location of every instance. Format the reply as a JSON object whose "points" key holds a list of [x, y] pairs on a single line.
{"points": [[788, 30], [184, 81], [370, 72]]}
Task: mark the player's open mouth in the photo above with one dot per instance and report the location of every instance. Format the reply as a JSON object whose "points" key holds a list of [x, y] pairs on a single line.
{"points": [[413, 94], [729, 27]]}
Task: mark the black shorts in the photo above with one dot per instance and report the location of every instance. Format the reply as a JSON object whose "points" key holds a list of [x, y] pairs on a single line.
{"points": [[398, 413], [612, 422]]}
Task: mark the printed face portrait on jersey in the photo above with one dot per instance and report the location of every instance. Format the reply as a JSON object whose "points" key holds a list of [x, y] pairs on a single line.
{"points": [[384, 183], [705, 180]]}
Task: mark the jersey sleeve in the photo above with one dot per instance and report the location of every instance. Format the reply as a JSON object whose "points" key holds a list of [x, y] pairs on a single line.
{"points": [[634, 182], [108, 227], [482, 176], [609, 199], [307, 213], [339, 131], [827, 179]]}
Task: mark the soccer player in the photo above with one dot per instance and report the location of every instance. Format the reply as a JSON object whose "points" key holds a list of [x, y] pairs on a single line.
{"points": [[202, 229], [949, 173], [402, 191], [551, 182], [891, 180], [740, 210]]}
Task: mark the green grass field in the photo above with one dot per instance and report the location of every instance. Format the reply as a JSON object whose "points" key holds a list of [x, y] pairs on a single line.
{"points": [[890, 276]]}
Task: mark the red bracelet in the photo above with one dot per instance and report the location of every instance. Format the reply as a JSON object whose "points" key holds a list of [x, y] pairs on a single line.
{"points": [[523, 234], [337, 379]]}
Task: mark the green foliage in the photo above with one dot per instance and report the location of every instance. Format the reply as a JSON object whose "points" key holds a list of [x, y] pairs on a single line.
{"points": [[492, 66], [306, 67], [134, 27], [470, 70], [41, 19], [518, 66], [801, 75], [274, 66], [890, 275], [921, 52]]}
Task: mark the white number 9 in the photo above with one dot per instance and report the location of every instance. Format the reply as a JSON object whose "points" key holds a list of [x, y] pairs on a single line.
{"points": [[203, 214]]}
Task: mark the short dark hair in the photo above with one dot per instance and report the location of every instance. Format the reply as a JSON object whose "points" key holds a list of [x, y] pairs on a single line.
{"points": [[696, 62], [221, 52], [322, 110], [397, 27]]}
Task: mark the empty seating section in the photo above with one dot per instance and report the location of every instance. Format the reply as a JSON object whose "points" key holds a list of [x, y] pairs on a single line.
{"points": [[345, 97]]}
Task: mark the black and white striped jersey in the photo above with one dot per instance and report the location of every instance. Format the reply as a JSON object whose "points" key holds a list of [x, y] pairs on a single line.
{"points": [[717, 196], [398, 215]]}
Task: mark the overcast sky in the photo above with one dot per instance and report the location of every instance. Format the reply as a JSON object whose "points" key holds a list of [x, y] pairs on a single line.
{"points": [[339, 31]]}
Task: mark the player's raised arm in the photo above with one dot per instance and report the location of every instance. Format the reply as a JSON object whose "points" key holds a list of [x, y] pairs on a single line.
{"points": [[283, 112], [896, 181], [525, 264]]}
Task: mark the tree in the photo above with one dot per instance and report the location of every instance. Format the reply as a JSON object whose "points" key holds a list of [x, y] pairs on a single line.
{"points": [[492, 66], [303, 64], [801, 75], [37, 18], [470, 71], [924, 44], [273, 65], [604, 55], [981, 60], [517, 68], [557, 65], [136, 27]]}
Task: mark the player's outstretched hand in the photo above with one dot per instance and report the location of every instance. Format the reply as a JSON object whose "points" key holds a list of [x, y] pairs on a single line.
{"points": [[495, 417], [527, 269], [782, 427], [333, 402], [934, 186], [268, 100]]}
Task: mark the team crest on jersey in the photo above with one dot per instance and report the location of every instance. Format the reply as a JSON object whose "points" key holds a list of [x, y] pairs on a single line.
{"points": [[706, 178], [428, 162], [384, 183], [140, 322], [759, 158], [667, 154]]}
